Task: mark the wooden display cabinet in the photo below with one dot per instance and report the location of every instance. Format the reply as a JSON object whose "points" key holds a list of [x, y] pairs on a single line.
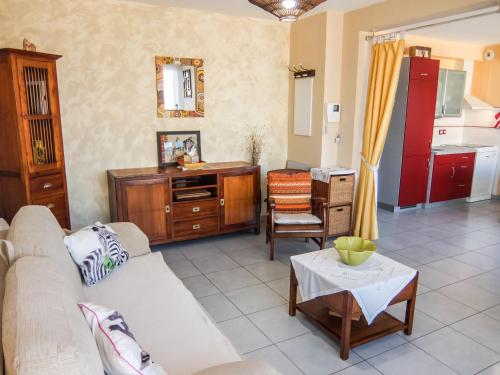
{"points": [[171, 205], [31, 147]]}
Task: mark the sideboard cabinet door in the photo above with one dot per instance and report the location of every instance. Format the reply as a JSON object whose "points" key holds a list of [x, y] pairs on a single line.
{"points": [[145, 204], [240, 197]]}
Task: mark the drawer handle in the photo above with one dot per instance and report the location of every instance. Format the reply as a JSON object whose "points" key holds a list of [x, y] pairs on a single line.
{"points": [[340, 209], [51, 206], [424, 74], [465, 157], [464, 167], [196, 226], [342, 180], [461, 185], [48, 185], [196, 209]]}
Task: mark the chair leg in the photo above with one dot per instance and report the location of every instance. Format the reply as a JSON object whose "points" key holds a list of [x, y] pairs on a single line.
{"points": [[271, 255]]}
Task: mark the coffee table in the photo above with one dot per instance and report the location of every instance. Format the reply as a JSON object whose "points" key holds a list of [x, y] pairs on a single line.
{"points": [[341, 317]]}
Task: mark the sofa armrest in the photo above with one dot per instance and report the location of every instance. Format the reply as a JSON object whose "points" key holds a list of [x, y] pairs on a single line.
{"points": [[132, 238], [4, 228], [240, 368]]}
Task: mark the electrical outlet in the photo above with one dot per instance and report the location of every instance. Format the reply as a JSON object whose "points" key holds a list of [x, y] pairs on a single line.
{"points": [[442, 132]]}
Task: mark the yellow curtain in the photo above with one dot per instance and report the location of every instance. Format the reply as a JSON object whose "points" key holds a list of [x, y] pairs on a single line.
{"points": [[383, 81]]}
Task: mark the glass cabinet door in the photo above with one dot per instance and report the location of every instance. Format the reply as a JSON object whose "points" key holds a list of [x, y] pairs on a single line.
{"points": [[440, 93], [454, 94]]}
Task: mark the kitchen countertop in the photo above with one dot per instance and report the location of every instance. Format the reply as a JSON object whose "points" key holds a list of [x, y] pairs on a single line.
{"points": [[461, 149]]}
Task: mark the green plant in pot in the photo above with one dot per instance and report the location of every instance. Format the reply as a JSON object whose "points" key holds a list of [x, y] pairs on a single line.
{"points": [[354, 251]]}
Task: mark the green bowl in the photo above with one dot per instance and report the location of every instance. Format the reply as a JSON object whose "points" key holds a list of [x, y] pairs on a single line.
{"points": [[354, 251]]}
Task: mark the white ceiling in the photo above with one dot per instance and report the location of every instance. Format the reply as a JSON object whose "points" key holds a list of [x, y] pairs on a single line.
{"points": [[482, 30], [244, 8]]}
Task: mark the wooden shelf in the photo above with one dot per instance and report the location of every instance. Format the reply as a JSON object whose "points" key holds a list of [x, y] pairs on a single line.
{"points": [[193, 187]]}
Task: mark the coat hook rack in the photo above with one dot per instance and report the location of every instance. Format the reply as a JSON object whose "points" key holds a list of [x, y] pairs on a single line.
{"points": [[301, 72]]}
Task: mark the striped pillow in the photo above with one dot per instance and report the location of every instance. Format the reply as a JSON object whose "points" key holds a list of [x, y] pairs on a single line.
{"points": [[290, 189]]}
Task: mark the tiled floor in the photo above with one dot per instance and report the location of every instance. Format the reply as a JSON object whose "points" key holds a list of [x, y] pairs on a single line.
{"points": [[457, 321]]}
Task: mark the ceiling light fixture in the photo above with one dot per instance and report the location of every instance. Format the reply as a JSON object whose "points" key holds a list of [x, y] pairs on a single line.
{"points": [[287, 10]]}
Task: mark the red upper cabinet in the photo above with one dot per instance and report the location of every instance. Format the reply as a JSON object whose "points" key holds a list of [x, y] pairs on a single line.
{"points": [[421, 106]]}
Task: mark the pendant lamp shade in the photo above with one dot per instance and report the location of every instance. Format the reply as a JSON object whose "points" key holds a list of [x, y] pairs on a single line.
{"points": [[287, 10]]}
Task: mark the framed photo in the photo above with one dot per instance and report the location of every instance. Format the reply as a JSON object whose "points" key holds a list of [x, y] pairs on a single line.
{"points": [[178, 147]]}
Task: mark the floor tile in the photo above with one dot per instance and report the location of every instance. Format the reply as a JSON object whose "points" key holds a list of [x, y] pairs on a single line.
{"points": [[199, 249], [492, 370], [488, 281], [408, 360], [214, 263], [276, 359], [492, 251], [269, 271], [421, 254], [184, 268], [244, 335], [172, 255], [446, 248], [378, 346], [255, 298], [442, 308], [401, 259], [278, 326], [251, 255], [467, 241], [470, 295], [315, 354], [232, 279], [494, 312], [232, 243], [481, 328], [423, 324], [363, 368], [282, 287], [434, 279], [479, 260], [457, 351], [219, 307], [455, 268], [200, 286]]}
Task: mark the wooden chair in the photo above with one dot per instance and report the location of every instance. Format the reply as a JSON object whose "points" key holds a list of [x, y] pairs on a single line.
{"points": [[291, 211]]}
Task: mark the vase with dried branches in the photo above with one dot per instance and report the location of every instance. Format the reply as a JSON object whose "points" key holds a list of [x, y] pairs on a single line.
{"points": [[255, 144]]}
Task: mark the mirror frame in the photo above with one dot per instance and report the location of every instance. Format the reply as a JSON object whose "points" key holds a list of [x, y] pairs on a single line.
{"points": [[199, 82]]}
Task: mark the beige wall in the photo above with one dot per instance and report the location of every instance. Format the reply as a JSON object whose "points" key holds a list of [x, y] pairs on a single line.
{"points": [[107, 83], [486, 80], [379, 16], [316, 42], [446, 48]]}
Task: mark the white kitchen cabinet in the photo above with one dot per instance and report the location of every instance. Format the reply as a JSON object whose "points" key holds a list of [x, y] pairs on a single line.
{"points": [[484, 175]]}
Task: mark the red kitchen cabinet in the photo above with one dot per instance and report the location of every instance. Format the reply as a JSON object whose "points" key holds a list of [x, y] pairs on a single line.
{"points": [[451, 177], [412, 189]]}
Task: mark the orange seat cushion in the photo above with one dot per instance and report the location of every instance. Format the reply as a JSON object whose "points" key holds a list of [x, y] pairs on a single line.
{"points": [[290, 190]]}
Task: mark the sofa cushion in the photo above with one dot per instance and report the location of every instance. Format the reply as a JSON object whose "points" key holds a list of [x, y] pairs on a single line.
{"points": [[4, 229], [166, 318], [119, 351], [240, 368], [44, 331], [34, 231], [132, 238], [97, 250]]}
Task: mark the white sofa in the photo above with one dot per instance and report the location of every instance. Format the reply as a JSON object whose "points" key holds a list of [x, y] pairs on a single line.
{"points": [[44, 332]]}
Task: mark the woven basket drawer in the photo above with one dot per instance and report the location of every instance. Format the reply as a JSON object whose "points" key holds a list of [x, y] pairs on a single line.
{"points": [[341, 189], [340, 220]]}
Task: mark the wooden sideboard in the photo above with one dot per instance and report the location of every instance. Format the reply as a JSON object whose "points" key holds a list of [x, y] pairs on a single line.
{"points": [[158, 200]]}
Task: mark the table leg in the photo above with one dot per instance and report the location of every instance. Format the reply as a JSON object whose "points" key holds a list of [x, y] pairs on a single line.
{"points": [[410, 308], [292, 305], [345, 335]]}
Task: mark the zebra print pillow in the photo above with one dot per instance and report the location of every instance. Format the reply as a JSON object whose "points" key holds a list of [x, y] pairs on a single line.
{"points": [[97, 250], [119, 351]]}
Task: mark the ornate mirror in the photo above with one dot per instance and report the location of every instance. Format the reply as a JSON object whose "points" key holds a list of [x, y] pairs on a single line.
{"points": [[180, 87]]}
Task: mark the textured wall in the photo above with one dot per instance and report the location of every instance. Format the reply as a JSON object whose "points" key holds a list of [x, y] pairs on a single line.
{"points": [[107, 83]]}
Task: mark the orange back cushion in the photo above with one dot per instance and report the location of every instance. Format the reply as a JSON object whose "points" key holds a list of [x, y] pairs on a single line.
{"points": [[290, 189]]}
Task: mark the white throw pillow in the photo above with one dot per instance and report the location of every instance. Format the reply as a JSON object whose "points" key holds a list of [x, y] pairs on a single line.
{"points": [[120, 353], [97, 251]]}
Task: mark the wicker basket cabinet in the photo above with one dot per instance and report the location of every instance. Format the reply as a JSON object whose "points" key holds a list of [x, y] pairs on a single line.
{"points": [[340, 196]]}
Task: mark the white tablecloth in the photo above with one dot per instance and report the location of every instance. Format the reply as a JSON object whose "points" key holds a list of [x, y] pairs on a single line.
{"points": [[323, 174], [373, 284]]}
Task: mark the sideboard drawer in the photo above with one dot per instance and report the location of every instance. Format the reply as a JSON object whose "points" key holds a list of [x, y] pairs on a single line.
{"points": [[341, 189], [56, 203], [195, 227], [195, 209], [46, 185]]}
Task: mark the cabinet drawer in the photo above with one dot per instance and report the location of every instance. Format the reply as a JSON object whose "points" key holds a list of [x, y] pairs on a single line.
{"points": [[463, 189], [465, 158], [193, 210], [46, 185], [56, 203], [464, 172], [341, 189], [195, 228], [444, 159], [339, 220], [424, 69]]}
